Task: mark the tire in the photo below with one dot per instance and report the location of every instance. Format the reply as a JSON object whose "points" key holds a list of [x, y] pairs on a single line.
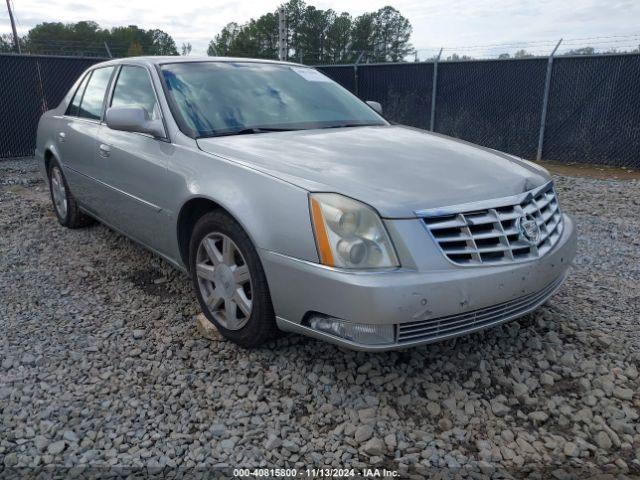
{"points": [[229, 281], [64, 203]]}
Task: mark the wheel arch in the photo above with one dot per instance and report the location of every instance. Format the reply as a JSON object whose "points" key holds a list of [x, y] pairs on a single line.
{"points": [[190, 212], [49, 155]]}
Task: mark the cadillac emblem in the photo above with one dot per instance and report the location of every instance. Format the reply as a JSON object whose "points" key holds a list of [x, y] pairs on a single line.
{"points": [[528, 229]]}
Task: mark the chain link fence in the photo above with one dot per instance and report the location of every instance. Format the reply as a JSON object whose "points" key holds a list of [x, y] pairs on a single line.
{"points": [[593, 109], [31, 85], [493, 103]]}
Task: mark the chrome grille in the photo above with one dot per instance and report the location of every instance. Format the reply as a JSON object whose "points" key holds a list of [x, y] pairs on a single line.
{"points": [[451, 325], [492, 235]]}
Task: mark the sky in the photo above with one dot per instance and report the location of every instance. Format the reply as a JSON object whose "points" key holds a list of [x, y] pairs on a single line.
{"points": [[454, 24]]}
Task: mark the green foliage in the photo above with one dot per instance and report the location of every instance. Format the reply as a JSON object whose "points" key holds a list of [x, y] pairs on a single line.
{"points": [[522, 54], [134, 49], [582, 51], [186, 48], [319, 36], [363, 34], [162, 43], [260, 37], [338, 42], [88, 38], [391, 33], [454, 57], [6, 43]]}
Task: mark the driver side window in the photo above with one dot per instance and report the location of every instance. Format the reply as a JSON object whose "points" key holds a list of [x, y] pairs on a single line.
{"points": [[133, 89]]}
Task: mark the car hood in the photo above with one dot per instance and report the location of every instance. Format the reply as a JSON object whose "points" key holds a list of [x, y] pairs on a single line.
{"points": [[397, 170]]}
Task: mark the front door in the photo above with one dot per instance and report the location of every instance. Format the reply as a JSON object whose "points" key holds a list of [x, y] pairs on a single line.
{"points": [[136, 166]]}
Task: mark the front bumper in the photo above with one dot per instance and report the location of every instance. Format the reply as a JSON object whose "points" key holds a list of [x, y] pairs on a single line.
{"points": [[424, 306]]}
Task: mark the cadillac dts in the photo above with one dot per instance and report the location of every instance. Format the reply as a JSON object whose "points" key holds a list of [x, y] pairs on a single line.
{"points": [[295, 206]]}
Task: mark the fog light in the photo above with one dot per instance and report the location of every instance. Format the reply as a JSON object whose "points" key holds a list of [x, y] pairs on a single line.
{"points": [[364, 333]]}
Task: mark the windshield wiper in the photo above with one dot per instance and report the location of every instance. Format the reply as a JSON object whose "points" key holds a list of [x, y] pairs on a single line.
{"points": [[346, 125], [249, 131]]}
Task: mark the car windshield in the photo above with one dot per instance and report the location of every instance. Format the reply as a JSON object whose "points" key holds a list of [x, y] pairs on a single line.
{"points": [[225, 98]]}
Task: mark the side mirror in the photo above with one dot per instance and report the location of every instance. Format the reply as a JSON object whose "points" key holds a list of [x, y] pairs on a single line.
{"points": [[134, 119], [375, 105]]}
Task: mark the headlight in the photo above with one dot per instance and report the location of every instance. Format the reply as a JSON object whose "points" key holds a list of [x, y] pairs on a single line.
{"points": [[349, 234]]}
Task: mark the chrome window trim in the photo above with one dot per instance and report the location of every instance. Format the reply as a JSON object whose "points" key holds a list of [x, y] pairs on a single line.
{"points": [[86, 76], [104, 98], [112, 88], [81, 119]]}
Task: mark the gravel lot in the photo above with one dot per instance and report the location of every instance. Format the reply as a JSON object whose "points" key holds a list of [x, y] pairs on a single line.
{"points": [[102, 365]]}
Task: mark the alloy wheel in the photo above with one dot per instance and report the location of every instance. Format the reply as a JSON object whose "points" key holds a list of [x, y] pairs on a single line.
{"points": [[224, 280]]}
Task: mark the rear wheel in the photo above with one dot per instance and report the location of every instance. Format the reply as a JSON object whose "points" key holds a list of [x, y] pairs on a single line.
{"points": [[229, 281], [64, 203]]}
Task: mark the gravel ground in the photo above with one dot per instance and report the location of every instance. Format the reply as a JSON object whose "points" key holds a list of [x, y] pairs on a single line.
{"points": [[102, 365]]}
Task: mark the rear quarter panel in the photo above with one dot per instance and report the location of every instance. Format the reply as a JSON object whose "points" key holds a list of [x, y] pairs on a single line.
{"points": [[48, 125]]}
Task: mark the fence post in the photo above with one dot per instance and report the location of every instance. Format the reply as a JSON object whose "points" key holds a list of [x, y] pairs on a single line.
{"points": [[545, 101], [355, 73], [432, 122], [16, 39], [282, 35], [106, 47]]}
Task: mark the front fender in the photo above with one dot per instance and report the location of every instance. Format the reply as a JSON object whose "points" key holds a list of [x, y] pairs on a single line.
{"points": [[274, 213]]}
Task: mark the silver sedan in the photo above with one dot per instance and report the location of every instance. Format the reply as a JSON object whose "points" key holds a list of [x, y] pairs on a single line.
{"points": [[294, 206]]}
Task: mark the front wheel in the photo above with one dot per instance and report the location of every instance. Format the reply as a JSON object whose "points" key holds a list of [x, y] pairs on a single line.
{"points": [[229, 281]]}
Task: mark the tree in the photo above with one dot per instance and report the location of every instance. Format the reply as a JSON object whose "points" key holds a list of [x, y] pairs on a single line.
{"points": [[88, 38], [338, 41], [294, 11], [161, 43], [72, 38], [222, 44], [362, 35], [6, 43], [265, 31], [258, 38], [130, 41], [581, 51], [186, 48], [313, 32], [522, 54], [391, 34], [134, 50], [454, 57], [319, 36]]}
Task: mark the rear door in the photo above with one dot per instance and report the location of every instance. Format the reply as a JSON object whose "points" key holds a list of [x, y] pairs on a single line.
{"points": [[78, 140], [137, 162]]}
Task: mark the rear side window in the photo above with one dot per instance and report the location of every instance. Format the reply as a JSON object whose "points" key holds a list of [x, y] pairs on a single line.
{"points": [[74, 106], [93, 98], [133, 89]]}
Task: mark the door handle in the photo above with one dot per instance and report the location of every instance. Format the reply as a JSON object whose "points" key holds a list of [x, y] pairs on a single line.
{"points": [[105, 150], [62, 136]]}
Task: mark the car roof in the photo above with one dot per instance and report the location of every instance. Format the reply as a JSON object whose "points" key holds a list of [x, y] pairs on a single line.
{"points": [[159, 60]]}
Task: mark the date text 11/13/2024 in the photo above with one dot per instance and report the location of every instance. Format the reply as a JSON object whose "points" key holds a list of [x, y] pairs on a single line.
{"points": [[315, 473]]}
